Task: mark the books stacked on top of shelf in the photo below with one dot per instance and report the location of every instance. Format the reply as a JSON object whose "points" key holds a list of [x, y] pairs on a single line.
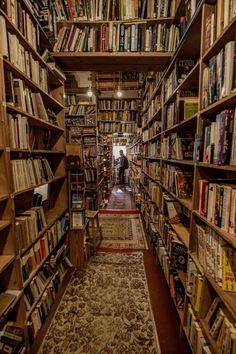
{"points": [[118, 115], [6, 299], [113, 10], [80, 110], [118, 37], [152, 168], [153, 149], [218, 261], [114, 127], [217, 202], [219, 139], [124, 104]]}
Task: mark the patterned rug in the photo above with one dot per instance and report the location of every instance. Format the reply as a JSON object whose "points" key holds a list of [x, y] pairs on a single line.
{"points": [[122, 231], [105, 310]]}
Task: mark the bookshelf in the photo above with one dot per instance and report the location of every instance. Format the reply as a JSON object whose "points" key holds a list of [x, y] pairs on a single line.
{"points": [[188, 175], [33, 192]]}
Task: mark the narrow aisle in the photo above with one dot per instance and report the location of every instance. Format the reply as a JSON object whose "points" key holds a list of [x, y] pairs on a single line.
{"points": [[119, 303]]}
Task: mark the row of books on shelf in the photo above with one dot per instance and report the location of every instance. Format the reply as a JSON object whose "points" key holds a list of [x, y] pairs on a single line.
{"points": [[114, 127], [181, 69], [90, 162], [113, 10], [123, 104], [86, 110], [151, 132], [218, 77], [12, 338], [182, 108], [219, 139], [118, 115], [153, 107], [42, 308], [30, 172], [177, 180], [216, 257], [178, 147], [20, 96], [90, 175], [221, 327], [28, 226], [43, 247], [153, 169], [218, 18], [195, 333], [22, 19], [21, 58], [152, 149], [217, 202], [77, 199], [78, 121], [118, 38]]}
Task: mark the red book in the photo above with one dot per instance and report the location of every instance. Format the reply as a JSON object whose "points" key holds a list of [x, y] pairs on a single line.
{"points": [[203, 193]]}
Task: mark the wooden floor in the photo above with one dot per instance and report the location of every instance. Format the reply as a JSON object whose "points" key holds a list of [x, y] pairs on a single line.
{"points": [[165, 314]]}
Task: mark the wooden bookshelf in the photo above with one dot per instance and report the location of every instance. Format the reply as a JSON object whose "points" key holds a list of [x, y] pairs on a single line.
{"points": [[192, 45], [15, 200]]}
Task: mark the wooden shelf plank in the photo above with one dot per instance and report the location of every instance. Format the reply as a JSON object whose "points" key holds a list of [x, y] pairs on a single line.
{"points": [[36, 151], [5, 261], [152, 178], [224, 103], [218, 167], [34, 121], [187, 202], [182, 125], [140, 61], [4, 224], [182, 232], [3, 197], [55, 179], [182, 162], [149, 21]]}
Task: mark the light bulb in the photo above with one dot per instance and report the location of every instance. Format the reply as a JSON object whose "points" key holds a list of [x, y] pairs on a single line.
{"points": [[119, 93], [90, 93]]}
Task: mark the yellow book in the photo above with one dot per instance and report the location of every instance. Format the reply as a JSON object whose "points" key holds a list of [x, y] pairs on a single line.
{"points": [[228, 269], [198, 294]]}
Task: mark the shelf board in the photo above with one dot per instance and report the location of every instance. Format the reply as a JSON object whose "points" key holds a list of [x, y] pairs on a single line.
{"points": [[211, 340], [5, 261], [4, 197], [224, 103], [34, 86], [134, 144], [155, 137], [11, 306], [230, 238], [126, 61], [153, 179], [126, 21], [186, 202], [187, 123], [55, 179], [28, 151], [151, 158], [4, 224], [181, 162], [229, 298], [34, 121], [182, 232], [225, 36], [218, 167]]}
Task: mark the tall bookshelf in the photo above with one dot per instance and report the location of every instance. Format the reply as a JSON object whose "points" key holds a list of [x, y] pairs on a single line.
{"points": [[186, 164], [33, 195]]}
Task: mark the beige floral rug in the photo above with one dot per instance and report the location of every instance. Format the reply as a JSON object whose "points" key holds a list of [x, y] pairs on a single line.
{"points": [[122, 231], [105, 310]]}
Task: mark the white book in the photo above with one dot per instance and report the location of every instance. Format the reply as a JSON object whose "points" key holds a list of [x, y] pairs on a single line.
{"points": [[226, 13], [228, 68]]}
